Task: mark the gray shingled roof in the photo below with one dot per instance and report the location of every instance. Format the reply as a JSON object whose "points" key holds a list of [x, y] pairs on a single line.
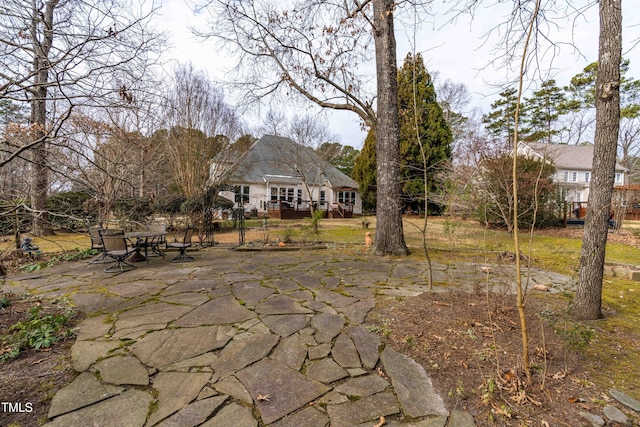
{"points": [[282, 160], [564, 156]]}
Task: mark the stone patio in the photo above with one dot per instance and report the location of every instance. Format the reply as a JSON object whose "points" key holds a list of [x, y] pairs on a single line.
{"points": [[248, 339]]}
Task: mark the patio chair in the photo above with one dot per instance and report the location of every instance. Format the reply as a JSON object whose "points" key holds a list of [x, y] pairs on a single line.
{"points": [[117, 248], [157, 241], [182, 247], [96, 244]]}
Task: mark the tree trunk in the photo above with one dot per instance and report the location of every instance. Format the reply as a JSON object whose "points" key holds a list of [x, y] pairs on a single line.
{"points": [[389, 231], [587, 303], [39, 155]]}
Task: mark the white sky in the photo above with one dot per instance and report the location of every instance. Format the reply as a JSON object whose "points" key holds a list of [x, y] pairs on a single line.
{"points": [[455, 50]]}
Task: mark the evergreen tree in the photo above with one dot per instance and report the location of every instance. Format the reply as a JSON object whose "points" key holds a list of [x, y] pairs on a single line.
{"points": [[500, 121], [425, 137], [542, 112], [364, 172]]}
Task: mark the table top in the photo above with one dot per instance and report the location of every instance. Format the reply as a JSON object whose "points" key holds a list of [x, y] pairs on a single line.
{"points": [[132, 234]]}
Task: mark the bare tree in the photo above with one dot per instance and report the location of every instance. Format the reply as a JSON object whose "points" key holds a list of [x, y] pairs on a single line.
{"points": [[200, 125], [588, 300], [60, 55], [314, 50]]}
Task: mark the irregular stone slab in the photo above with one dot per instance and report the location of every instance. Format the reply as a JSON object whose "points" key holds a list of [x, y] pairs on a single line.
{"points": [[357, 312], [123, 370], [461, 419], [291, 351], [281, 304], [344, 352], [251, 293], [194, 414], [162, 348], [285, 285], [319, 351], [126, 410], [327, 326], [85, 390], [363, 386], [92, 302], [308, 417], [243, 352], [616, 415], [594, 419], [286, 324], [187, 298], [369, 408], [367, 344], [333, 398], [86, 353], [136, 288], [301, 295], [158, 313], [626, 400], [431, 422], [288, 390], [404, 271], [326, 371], [175, 391], [204, 360], [234, 388], [412, 385], [93, 327], [334, 298], [220, 311], [232, 414]]}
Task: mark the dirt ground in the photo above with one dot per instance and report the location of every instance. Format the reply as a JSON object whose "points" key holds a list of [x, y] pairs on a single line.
{"points": [[33, 378], [470, 344]]}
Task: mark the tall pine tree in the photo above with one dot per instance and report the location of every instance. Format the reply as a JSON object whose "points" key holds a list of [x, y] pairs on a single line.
{"points": [[425, 137], [423, 131]]}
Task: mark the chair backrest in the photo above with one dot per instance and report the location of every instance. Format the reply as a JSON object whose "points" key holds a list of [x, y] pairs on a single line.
{"points": [[111, 232], [157, 228], [187, 235], [114, 242], [96, 238]]}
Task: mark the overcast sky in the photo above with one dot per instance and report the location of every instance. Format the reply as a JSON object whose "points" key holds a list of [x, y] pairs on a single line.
{"points": [[456, 49]]}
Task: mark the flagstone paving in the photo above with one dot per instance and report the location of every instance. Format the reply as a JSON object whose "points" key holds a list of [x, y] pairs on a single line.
{"points": [[248, 339]]}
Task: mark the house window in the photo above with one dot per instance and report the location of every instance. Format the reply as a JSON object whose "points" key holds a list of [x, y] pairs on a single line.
{"points": [[578, 196], [618, 178], [290, 194], [587, 177], [241, 194], [574, 176], [347, 197], [323, 197], [274, 194], [565, 176], [299, 195]]}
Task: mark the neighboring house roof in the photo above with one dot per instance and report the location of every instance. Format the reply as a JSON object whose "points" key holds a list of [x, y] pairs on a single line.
{"points": [[282, 160], [564, 156]]}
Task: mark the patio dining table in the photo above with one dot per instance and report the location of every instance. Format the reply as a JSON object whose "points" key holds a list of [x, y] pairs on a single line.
{"points": [[144, 239]]}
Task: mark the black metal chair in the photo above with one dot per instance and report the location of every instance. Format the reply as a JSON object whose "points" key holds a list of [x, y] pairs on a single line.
{"points": [[182, 247], [118, 249], [157, 241], [96, 244]]}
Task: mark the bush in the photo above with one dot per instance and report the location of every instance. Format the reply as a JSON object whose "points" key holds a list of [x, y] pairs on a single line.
{"points": [[69, 211], [133, 209], [17, 216]]}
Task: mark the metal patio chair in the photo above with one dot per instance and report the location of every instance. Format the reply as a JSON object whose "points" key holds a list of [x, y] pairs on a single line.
{"points": [[182, 247], [118, 249]]}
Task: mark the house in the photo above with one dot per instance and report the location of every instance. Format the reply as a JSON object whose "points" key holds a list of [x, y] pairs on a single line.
{"points": [[573, 170], [282, 179]]}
